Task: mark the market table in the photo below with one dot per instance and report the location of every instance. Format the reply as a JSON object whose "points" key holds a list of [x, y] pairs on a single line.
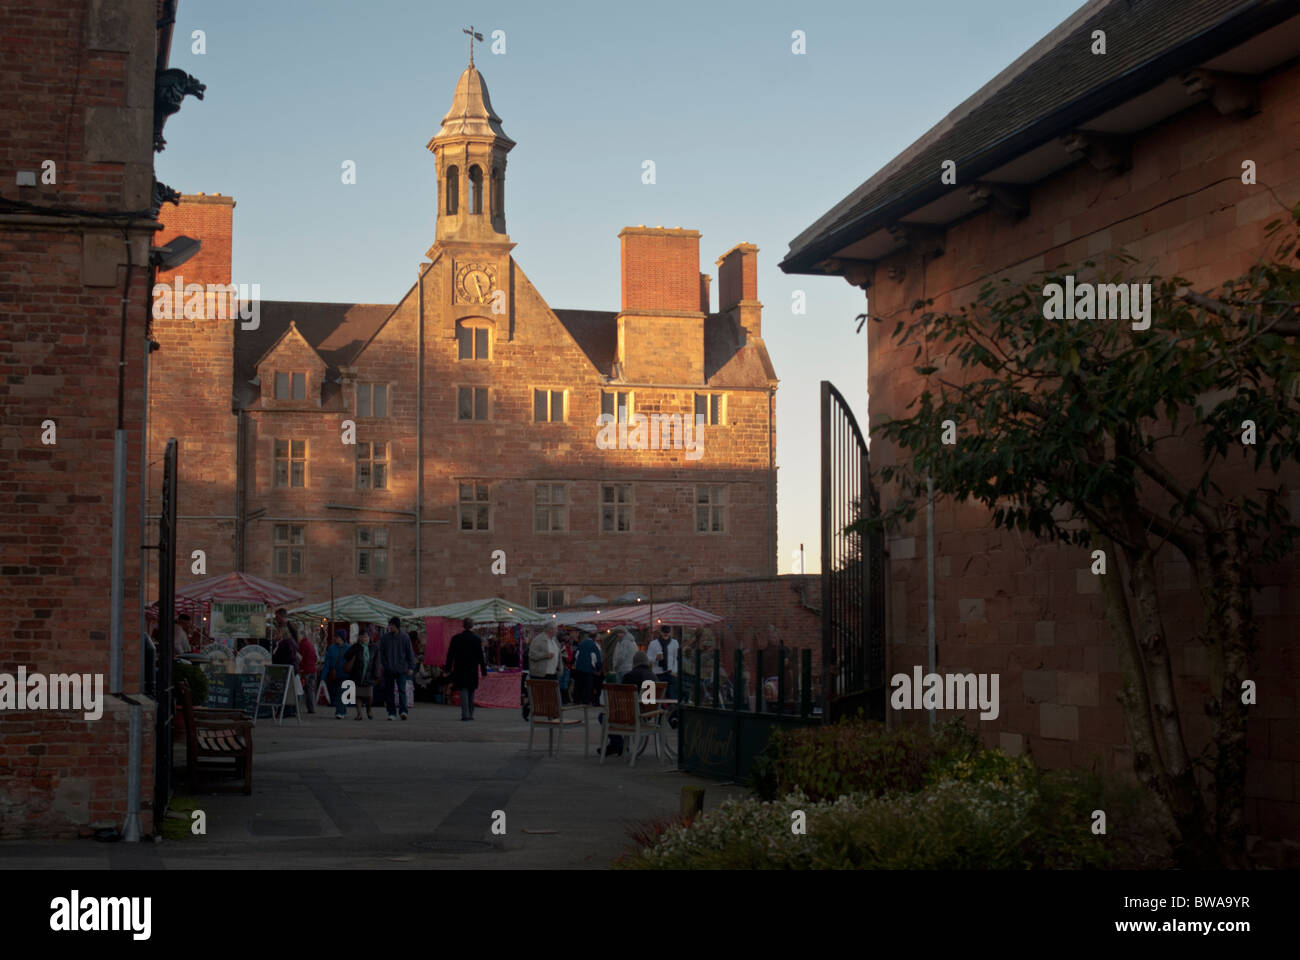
{"points": [[500, 688]]}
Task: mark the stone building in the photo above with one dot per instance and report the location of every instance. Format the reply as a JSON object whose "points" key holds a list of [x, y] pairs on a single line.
{"points": [[1069, 155], [392, 449]]}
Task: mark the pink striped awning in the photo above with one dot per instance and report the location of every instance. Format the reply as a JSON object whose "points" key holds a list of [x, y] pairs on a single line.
{"points": [[195, 596], [674, 614]]}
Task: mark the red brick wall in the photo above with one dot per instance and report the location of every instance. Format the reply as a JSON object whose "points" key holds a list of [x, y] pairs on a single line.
{"points": [[661, 269], [190, 378], [751, 608], [737, 276], [83, 78], [1033, 613]]}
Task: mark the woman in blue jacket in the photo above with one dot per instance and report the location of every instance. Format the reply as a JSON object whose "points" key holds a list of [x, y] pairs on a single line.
{"points": [[333, 674]]}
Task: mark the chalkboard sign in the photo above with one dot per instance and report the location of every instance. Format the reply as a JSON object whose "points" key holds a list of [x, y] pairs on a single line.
{"points": [[234, 691], [277, 692]]}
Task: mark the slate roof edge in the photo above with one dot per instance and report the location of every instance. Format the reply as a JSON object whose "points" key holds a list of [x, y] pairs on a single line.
{"points": [[827, 234]]}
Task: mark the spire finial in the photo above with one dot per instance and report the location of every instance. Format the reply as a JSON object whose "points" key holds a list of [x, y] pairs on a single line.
{"points": [[472, 37]]}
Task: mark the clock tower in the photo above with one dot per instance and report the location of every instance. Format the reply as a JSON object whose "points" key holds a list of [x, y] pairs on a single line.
{"points": [[471, 149]]}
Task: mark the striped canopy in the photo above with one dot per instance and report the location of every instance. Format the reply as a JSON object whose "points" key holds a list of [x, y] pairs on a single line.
{"points": [[354, 608], [674, 614], [193, 597], [489, 610]]}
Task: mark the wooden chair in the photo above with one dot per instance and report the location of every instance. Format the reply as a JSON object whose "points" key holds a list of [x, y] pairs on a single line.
{"points": [[622, 717], [546, 712], [217, 735]]}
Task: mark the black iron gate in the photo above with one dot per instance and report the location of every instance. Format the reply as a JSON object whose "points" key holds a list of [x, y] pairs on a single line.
{"points": [[853, 597], [163, 720]]}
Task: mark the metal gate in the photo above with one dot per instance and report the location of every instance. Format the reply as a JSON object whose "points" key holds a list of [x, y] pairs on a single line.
{"points": [[163, 719], [853, 596]]}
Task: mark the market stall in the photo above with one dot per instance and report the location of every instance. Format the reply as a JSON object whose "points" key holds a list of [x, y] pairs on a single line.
{"points": [[503, 621]]}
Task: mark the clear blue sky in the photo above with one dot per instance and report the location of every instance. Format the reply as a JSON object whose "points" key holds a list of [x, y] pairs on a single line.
{"points": [[751, 143]]}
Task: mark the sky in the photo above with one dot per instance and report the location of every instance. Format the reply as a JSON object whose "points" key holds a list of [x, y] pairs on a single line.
{"points": [[751, 142]]}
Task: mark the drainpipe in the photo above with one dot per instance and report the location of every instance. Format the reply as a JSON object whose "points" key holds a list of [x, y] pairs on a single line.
{"points": [[771, 487], [420, 271], [241, 516], [117, 562], [929, 576]]}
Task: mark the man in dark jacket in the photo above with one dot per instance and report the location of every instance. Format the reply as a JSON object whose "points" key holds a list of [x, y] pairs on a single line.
{"points": [[588, 670], [465, 663], [398, 662]]}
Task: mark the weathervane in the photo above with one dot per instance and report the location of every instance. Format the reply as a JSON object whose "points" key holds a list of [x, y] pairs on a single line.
{"points": [[472, 37]]}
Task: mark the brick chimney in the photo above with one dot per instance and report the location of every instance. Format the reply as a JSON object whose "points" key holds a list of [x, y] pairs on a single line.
{"points": [[661, 324], [738, 288], [205, 217], [706, 282]]}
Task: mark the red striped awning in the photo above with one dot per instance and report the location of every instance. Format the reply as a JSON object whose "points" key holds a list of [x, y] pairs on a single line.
{"points": [[194, 597], [674, 614]]}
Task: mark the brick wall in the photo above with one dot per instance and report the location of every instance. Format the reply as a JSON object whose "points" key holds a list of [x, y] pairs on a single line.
{"points": [[83, 75], [760, 613], [661, 269], [190, 378], [511, 454], [1033, 613]]}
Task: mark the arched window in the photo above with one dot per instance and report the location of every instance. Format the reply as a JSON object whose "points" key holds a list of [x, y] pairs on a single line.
{"points": [[451, 186], [475, 189], [498, 193]]}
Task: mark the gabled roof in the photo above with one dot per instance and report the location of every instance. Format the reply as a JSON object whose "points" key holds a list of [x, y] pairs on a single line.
{"points": [[336, 331], [1055, 88]]}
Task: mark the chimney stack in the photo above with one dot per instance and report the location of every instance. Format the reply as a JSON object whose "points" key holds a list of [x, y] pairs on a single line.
{"points": [[204, 217], [661, 324], [738, 288]]}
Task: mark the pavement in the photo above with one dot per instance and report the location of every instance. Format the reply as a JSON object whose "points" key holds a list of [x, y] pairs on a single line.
{"points": [[421, 793]]}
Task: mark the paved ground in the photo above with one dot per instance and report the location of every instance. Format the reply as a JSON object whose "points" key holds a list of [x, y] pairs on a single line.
{"points": [[419, 793]]}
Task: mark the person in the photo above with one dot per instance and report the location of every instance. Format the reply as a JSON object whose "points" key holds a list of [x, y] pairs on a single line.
{"points": [[624, 654], [589, 664], [181, 635], [544, 654], [641, 672], [671, 650], [509, 655], [397, 661], [287, 625], [657, 651], [464, 663], [358, 662], [334, 674], [566, 667], [284, 650], [308, 659]]}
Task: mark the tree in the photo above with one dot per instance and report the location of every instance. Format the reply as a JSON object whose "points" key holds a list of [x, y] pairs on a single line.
{"points": [[1089, 432]]}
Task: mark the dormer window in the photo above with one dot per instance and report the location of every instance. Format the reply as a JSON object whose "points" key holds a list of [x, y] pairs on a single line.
{"points": [[290, 386]]}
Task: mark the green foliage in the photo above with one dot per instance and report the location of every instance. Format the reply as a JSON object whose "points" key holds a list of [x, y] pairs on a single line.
{"points": [[1067, 420], [196, 678], [903, 799], [854, 756], [1030, 821]]}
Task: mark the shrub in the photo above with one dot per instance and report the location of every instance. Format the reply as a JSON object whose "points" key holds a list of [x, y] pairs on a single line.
{"points": [[855, 756], [196, 678]]}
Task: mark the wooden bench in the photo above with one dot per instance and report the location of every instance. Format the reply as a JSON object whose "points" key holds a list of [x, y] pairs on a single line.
{"points": [[213, 737]]}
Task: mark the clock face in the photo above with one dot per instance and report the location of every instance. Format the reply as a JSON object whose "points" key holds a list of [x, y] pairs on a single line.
{"points": [[475, 282]]}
